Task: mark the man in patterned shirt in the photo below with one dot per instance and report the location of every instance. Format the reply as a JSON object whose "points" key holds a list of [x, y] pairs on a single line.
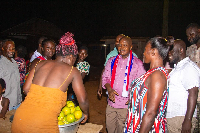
{"points": [[193, 51]]}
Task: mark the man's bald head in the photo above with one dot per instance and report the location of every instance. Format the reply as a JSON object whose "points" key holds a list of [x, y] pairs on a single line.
{"points": [[125, 45], [127, 39], [180, 44], [178, 52]]}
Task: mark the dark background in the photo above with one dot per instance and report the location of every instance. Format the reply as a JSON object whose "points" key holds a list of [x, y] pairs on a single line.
{"points": [[91, 20]]}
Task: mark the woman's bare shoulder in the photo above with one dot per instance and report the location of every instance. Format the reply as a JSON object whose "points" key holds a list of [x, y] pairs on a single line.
{"points": [[5, 100]]}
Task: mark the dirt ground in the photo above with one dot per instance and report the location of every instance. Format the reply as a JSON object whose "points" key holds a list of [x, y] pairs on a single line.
{"points": [[97, 108]]}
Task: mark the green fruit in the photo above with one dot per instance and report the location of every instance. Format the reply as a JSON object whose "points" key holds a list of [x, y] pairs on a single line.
{"points": [[78, 114], [65, 120], [68, 102], [66, 110], [77, 108], [70, 118], [61, 123], [71, 104]]}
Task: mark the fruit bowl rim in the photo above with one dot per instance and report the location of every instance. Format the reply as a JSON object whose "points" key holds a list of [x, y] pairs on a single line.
{"points": [[72, 124]]}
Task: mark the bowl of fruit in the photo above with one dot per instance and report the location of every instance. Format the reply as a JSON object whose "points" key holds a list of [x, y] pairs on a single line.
{"points": [[69, 118]]}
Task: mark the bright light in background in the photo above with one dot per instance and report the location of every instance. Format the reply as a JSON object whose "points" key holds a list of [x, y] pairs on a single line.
{"points": [[104, 45]]}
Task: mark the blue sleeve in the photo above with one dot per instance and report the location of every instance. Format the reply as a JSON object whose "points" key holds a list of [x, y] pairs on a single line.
{"points": [[114, 52]]}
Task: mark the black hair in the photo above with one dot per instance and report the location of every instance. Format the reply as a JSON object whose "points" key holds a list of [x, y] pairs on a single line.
{"points": [[2, 83], [45, 41], [21, 51], [193, 25], [84, 48], [41, 39], [161, 44]]}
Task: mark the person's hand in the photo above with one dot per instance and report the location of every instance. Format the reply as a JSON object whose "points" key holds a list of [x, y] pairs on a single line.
{"points": [[99, 92], [127, 102], [112, 94], [85, 119], [186, 126]]}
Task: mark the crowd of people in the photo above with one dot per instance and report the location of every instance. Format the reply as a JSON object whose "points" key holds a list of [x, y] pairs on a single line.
{"points": [[163, 98]]}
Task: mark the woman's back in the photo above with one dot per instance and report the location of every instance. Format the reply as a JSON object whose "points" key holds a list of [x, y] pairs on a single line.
{"points": [[43, 101], [46, 89], [53, 74]]}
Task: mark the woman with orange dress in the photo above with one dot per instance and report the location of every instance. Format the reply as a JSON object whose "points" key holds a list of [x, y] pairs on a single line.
{"points": [[46, 88]]}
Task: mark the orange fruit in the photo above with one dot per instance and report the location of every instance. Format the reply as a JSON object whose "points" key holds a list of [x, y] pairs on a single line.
{"points": [[70, 118], [78, 114], [66, 110]]}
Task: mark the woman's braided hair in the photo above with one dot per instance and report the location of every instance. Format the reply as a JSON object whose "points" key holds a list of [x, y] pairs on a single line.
{"points": [[67, 45]]}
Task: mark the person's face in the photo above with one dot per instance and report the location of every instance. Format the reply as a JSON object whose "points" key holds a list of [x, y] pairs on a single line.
{"points": [[117, 41], [146, 54], [49, 50], [174, 54], [9, 49], [124, 48], [82, 54], [192, 35], [1, 89]]}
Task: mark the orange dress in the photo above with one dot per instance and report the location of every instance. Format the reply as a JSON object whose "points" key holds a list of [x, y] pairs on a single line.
{"points": [[39, 111]]}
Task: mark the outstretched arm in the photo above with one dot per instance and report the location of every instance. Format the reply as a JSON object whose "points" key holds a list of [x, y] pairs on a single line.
{"points": [[99, 90], [156, 84], [191, 105], [79, 90]]}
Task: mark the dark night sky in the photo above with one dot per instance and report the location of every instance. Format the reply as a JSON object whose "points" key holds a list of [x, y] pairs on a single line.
{"points": [[91, 20]]}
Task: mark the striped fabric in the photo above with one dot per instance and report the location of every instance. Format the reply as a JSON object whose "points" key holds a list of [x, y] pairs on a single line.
{"points": [[138, 102]]}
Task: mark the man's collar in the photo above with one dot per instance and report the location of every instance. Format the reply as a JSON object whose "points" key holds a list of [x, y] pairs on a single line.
{"points": [[120, 56], [180, 63]]}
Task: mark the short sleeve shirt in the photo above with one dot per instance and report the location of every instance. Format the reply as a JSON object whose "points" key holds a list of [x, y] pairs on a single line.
{"points": [[183, 77]]}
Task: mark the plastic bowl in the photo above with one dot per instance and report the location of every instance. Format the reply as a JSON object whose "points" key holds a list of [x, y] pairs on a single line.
{"points": [[70, 128]]}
